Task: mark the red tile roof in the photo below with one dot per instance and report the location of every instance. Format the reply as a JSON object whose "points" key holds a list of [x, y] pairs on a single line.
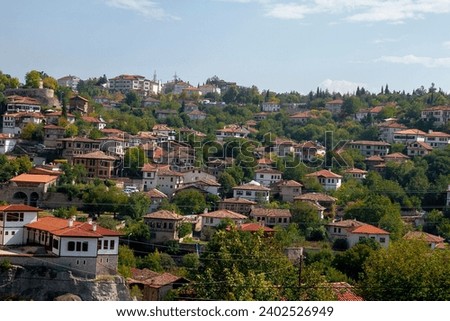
{"points": [[368, 229], [19, 208], [224, 214], [164, 215], [324, 173], [289, 183], [270, 212], [238, 200], [344, 292], [60, 227], [33, 178], [254, 227], [251, 187], [418, 235], [315, 197]]}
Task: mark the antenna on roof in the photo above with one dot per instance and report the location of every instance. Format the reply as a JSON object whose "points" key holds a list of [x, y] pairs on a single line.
{"points": [[154, 76]]}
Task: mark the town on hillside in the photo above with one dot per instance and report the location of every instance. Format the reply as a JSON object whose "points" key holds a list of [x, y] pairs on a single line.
{"points": [[218, 191]]}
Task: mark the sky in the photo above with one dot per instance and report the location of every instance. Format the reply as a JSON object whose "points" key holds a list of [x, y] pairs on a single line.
{"points": [[277, 45]]}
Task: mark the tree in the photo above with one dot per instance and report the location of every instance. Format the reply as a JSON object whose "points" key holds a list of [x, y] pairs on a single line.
{"points": [[227, 183], [136, 206], [33, 79], [134, 160], [14, 167], [126, 261], [31, 131], [351, 105], [305, 215], [190, 201], [407, 270], [50, 83]]}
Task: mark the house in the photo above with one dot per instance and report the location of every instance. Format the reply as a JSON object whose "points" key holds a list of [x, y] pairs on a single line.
{"points": [[197, 115], [213, 219], [196, 174], [54, 117], [270, 107], [17, 104], [354, 231], [437, 139], [356, 173], [271, 216], [29, 189], [156, 197], [114, 145], [97, 164], [329, 180], [302, 117], [69, 81], [388, 130], [288, 190], [13, 219], [7, 143], [150, 102], [344, 292], [73, 146], [179, 87], [253, 227], [137, 83], [439, 115], [97, 123], [238, 205], [162, 130], [409, 135], [232, 131], [209, 89], [334, 106], [79, 104], [15, 123], [84, 247], [267, 176], [435, 242], [309, 151], [154, 286], [324, 200], [252, 191], [52, 135], [190, 91], [370, 148], [163, 225], [205, 185], [373, 161], [260, 116], [169, 181], [149, 176], [418, 149], [163, 114]]}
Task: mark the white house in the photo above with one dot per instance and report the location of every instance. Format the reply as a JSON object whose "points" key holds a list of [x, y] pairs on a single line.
{"points": [[13, 219], [356, 173], [437, 139], [7, 143], [409, 135], [388, 129], [439, 115], [328, 179], [232, 131], [418, 149], [354, 231], [334, 106], [17, 104], [69, 81], [252, 191], [267, 176], [271, 216], [270, 107]]}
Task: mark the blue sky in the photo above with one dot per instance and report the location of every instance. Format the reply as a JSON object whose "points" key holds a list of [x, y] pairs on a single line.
{"points": [[281, 45]]}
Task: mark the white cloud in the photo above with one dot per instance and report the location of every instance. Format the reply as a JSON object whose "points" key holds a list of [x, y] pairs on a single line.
{"points": [[341, 86], [394, 11], [446, 44], [416, 60], [384, 40], [147, 8]]}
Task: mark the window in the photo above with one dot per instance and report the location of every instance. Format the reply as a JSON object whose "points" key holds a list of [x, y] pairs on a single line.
{"points": [[78, 246], [14, 217], [13, 232], [6, 233], [55, 244], [382, 240], [71, 246], [361, 238], [112, 244], [85, 246], [105, 244]]}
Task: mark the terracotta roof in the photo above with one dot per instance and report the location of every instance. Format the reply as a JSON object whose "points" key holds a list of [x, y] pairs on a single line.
{"points": [[34, 178], [392, 125], [368, 229], [251, 187], [60, 227], [270, 212], [15, 99], [335, 102], [437, 134], [268, 171], [418, 235], [91, 120], [45, 171], [324, 173], [51, 126], [344, 292], [95, 155], [437, 108], [315, 197], [375, 158], [302, 114], [164, 215], [153, 279], [289, 183], [112, 131], [79, 97], [369, 142], [59, 113], [347, 223], [238, 200], [155, 193], [265, 161], [396, 156], [355, 171], [142, 274], [7, 136], [224, 214], [411, 132], [19, 208], [376, 109], [421, 144], [254, 227], [79, 140]]}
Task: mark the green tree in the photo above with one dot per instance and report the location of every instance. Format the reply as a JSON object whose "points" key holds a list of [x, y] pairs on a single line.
{"points": [[190, 201], [136, 206], [126, 261], [407, 270], [305, 215], [134, 160], [227, 182], [33, 79]]}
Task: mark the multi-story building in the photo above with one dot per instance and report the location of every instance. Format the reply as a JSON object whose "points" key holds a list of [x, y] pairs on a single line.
{"points": [[288, 190], [69, 81], [53, 135], [271, 216], [252, 191], [370, 148], [7, 143], [388, 129], [14, 123], [232, 131], [267, 176], [163, 225], [17, 104], [418, 149], [439, 115], [97, 164], [238, 205], [73, 146], [437, 139], [409, 135], [270, 107], [329, 180], [127, 83], [334, 106]]}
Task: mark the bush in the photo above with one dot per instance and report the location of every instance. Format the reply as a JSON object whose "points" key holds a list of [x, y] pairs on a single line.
{"points": [[5, 265], [340, 245]]}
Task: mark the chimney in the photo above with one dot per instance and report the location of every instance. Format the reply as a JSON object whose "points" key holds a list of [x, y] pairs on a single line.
{"points": [[70, 222], [89, 220], [74, 218], [205, 211], [94, 227]]}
